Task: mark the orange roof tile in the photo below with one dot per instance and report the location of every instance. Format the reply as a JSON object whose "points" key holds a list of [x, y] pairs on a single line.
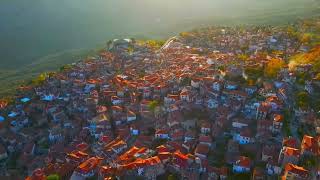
{"points": [[309, 143], [129, 153], [296, 170], [290, 142], [89, 164], [291, 151], [278, 118], [202, 149], [244, 162]]}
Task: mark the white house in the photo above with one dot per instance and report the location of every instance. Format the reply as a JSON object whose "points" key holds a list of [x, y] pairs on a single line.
{"points": [[185, 95], [134, 131], [243, 137], [116, 100], [162, 134], [231, 86], [131, 116], [216, 86], [212, 103], [195, 83], [273, 169]]}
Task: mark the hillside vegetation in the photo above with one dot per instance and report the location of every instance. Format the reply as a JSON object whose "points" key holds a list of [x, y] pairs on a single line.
{"points": [[11, 79]]}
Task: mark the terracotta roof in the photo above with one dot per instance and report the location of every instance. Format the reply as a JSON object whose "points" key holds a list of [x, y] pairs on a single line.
{"points": [[116, 108], [179, 155], [162, 148], [89, 165], [303, 173], [82, 146], [180, 159], [202, 149], [246, 133], [278, 118], [244, 162], [3, 104], [172, 96], [264, 107], [142, 163], [309, 143], [105, 139], [131, 114], [129, 153], [164, 155], [291, 151], [177, 134], [205, 139], [175, 145], [290, 142], [206, 125], [101, 109], [119, 144], [37, 174], [161, 131], [77, 155], [141, 150]]}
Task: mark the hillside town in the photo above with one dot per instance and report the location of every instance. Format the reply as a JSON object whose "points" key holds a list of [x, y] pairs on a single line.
{"points": [[214, 103]]}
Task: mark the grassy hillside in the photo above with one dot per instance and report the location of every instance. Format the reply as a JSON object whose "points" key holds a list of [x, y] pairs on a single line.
{"points": [[10, 79]]}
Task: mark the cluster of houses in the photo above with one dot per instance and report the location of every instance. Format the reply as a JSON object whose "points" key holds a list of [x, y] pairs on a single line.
{"points": [[149, 113]]}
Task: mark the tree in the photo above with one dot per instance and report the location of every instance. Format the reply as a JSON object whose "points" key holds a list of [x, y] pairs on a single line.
{"points": [[254, 73], [172, 177], [292, 32], [311, 57], [243, 57], [66, 67], [40, 79], [155, 44], [305, 38], [51, 74], [185, 81], [141, 73], [153, 105], [273, 67], [302, 99], [130, 50], [185, 34], [53, 177]]}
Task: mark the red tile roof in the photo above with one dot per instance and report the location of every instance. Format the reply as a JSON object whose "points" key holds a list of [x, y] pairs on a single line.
{"points": [[89, 165], [142, 163], [303, 173], [3, 104], [82, 146], [291, 151], [202, 149], [161, 131], [264, 107], [278, 118], [310, 144], [290, 142], [244, 162], [180, 159], [162, 148], [117, 108], [129, 154], [37, 174], [205, 139]]}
